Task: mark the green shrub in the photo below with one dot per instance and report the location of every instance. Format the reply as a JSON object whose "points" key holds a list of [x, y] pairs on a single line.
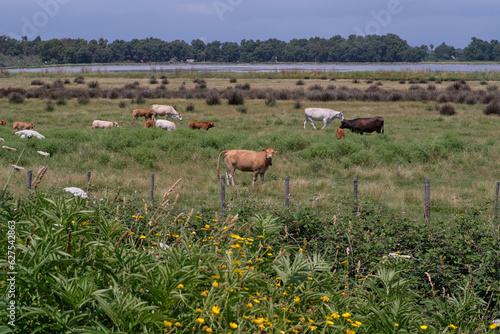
{"points": [[235, 97], [493, 108], [447, 109], [16, 98]]}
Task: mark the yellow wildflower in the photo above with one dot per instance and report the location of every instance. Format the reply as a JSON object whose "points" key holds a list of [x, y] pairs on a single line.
{"points": [[215, 284], [423, 327], [250, 305], [348, 331], [346, 315], [198, 310], [209, 330], [453, 326], [335, 315], [297, 299], [204, 294], [143, 237], [167, 323], [177, 324], [233, 325], [180, 286], [200, 320], [493, 326], [325, 299], [85, 223], [215, 309], [329, 322]]}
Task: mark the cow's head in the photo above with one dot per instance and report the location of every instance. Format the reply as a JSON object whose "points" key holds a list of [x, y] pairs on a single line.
{"points": [[116, 124], [343, 125], [211, 124], [32, 125], [341, 116], [269, 155]]}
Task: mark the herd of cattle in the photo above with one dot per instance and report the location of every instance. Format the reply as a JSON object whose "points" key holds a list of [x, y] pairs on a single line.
{"points": [[243, 160]]}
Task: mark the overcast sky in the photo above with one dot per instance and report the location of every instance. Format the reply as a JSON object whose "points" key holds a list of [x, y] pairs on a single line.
{"points": [[453, 22]]}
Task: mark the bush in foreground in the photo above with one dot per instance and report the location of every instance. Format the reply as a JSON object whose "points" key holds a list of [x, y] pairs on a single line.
{"points": [[142, 270]]}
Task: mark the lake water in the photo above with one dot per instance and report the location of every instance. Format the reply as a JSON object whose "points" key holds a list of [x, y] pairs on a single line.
{"points": [[239, 68]]}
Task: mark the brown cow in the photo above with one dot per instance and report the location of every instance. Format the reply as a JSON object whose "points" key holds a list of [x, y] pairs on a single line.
{"points": [[340, 133], [146, 113], [193, 125], [2, 122], [149, 124], [360, 125], [247, 161], [23, 126]]}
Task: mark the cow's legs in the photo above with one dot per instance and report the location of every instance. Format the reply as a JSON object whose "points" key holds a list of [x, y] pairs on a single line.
{"points": [[312, 123], [254, 177], [325, 124]]}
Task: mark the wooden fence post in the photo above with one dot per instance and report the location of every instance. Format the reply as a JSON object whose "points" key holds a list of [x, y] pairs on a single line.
{"points": [[151, 196], [222, 194], [355, 191], [427, 205], [88, 178], [28, 183], [496, 201], [287, 192]]}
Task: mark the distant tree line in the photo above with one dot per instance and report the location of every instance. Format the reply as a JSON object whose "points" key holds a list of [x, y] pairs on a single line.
{"points": [[372, 48]]}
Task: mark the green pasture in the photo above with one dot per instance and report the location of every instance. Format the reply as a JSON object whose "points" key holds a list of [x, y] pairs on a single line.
{"points": [[459, 154]]}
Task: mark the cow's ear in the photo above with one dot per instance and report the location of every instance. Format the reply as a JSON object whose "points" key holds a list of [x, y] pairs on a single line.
{"points": [[276, 151], [263, 150]]}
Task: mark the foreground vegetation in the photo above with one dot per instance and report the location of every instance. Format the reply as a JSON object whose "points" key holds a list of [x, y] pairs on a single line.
{"points": [[112, 267]]}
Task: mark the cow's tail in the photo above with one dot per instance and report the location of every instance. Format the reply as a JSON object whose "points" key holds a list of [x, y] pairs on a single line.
{"points": [[218, 158]]}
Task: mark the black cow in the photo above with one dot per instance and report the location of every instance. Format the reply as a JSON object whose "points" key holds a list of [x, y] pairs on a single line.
{"points": [[360, 125]]}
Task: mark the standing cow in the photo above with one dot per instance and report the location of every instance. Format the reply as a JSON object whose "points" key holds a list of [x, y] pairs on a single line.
{"points": [[360, 125], [321, 114], [247, 161], [146, 113], [167, 111]]}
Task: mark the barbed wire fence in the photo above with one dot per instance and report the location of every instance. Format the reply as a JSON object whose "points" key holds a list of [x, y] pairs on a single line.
{"points": [[413, 199]]}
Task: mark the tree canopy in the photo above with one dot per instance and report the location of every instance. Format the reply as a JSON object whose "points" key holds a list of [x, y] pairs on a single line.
{"points": [[371, 48]]}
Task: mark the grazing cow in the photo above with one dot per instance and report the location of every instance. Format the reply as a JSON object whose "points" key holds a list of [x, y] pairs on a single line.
{"points": [[2, 122], [146, 113], [340, 133], [193, 125], [103, 124], [149, 124], [360, 125], [165, 125], [23, 126], [247, 161], [321, 114], [167, 111]]}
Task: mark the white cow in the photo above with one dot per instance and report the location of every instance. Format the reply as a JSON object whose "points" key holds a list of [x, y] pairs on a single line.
{"points": [[321, 114], [103, 124], [165, 125], [167, 111]]}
